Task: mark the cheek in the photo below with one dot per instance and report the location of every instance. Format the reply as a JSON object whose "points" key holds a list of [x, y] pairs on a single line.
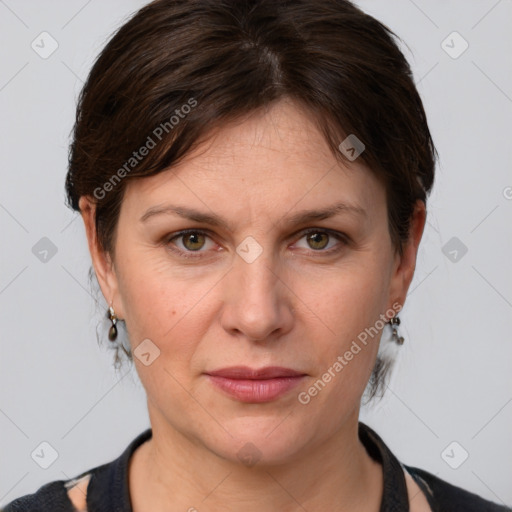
{"points": [[173, 314], [159, 301], [344, 320], [175, 306], [349, 300]]}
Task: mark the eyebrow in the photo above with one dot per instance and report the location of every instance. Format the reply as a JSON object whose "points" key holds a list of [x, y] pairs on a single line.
{"points": [[301, 217]]}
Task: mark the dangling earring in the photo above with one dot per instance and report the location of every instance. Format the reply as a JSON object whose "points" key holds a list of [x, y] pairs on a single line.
{"points": [[112, 332], [396, 321]]}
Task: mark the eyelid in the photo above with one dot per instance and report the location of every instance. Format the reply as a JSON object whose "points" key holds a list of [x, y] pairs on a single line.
{"points": [[186, 254], [338, 235], [341, 237]]}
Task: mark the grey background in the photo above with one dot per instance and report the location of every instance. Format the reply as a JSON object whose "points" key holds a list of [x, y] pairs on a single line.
{"points": [[452, 381]]}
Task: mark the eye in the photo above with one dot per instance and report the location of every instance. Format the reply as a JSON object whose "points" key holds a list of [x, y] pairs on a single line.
{"points": [[319, 239], [191, 241]]}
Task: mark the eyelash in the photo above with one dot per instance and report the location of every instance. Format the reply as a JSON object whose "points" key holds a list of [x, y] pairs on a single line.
{"points": [[341, 237]]}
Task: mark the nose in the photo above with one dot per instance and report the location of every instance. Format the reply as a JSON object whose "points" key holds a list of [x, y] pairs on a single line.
{"points": [[257, 303]]}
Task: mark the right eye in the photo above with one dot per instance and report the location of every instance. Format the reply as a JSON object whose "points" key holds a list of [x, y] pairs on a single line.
{"points": [[192, 241]]}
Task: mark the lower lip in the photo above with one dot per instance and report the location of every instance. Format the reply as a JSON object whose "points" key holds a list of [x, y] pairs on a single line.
{"points": [[256, 391]]}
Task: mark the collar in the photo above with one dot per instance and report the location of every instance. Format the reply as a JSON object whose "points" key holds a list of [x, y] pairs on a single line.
{"points": [[108, 488]]}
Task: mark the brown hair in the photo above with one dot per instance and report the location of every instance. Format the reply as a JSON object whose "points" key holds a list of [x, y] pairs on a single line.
{"points": [[180, 68]]}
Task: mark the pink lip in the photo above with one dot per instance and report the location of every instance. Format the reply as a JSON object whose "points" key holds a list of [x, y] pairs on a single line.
{"points": [[255, 385]]}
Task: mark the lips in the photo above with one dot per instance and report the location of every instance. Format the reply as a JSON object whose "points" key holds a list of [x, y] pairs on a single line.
{"points": [[250, 385], [244, 372]]}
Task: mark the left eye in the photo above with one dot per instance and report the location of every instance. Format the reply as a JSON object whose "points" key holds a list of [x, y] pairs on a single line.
{"points": [[318, 239]]}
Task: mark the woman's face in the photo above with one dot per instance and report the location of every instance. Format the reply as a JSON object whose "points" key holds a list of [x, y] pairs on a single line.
{"points": [[256, 290]]}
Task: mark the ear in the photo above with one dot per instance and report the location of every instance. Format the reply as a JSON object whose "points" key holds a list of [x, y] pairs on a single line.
{"points": [[103, 265], [404, 266]]}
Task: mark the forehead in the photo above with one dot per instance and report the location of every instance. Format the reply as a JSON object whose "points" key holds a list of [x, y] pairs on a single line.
{"points": [[274, 159]]}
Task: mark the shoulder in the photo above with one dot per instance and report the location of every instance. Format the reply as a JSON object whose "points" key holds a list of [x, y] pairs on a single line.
{"points": [[77, 491], [49, 497], [56, 496], [445, 496], [103, 485]]}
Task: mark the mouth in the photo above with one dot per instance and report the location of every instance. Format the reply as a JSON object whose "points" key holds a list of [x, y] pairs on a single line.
{"points": [[250, 385]]}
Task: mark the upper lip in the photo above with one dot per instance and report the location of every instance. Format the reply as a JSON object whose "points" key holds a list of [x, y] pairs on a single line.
{"points": [[244, 372]]}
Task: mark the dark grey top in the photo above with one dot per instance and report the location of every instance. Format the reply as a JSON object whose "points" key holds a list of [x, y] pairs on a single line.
{"points": [[108, 486]]}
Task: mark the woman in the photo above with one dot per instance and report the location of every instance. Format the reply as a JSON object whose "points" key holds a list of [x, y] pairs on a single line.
{"points": [[253, 178]]}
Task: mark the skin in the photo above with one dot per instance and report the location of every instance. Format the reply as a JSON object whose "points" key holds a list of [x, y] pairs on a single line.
{"points": [[293, 306]]}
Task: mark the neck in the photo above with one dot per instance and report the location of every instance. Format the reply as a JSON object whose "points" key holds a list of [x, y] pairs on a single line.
{"points": [[173, 469]]}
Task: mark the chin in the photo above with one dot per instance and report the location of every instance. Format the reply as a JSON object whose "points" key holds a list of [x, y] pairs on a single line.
{"points": [[261, 441]]}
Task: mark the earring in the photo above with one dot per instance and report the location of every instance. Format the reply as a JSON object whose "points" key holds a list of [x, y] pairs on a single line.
{"points": [[112, 332], [396, 321]]}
